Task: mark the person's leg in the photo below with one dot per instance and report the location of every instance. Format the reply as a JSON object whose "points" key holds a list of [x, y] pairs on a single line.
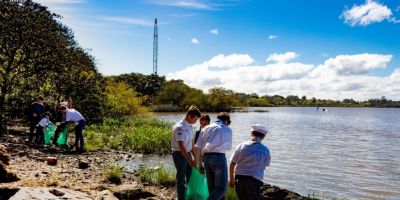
{"points": [[76, 138], [248, 188], [240, 187], [220, 178], [32, 127], [209, 173], [57, 132], [217, 164], [180, 165], [40, 134], [79, 129]]}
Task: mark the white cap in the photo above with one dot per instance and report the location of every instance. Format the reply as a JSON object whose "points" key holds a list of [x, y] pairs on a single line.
{"points": [[259, 128], [64, 104]]}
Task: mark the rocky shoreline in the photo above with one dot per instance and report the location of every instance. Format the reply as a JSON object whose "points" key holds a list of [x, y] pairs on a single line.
{"points": [[80, 175]]}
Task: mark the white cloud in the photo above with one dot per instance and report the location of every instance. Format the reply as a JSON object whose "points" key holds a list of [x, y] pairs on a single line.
{"points": [[339, 77], [272, 37], [282, 58], [369, 12], [357, 64], [195, 41], [189, 4], [230, 61], [214, 31], [129, 21]]}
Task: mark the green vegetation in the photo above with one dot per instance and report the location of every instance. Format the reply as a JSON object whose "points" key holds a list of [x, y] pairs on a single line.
{"points": [[157, 176], [113, 173], [231, 194], [141, 134], [122, 100]]}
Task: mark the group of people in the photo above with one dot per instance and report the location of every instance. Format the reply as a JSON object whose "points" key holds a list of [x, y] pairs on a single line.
{"points": [[206, 152], [40, 118]]}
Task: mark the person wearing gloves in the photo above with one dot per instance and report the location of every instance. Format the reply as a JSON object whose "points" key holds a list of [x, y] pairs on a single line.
{"points": [[72, 115], [250, 159]]}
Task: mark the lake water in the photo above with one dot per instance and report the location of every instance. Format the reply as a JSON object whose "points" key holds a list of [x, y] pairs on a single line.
{"points": [[351, 153]]}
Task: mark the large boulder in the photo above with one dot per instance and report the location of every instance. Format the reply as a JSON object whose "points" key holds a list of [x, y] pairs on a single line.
{"points": [[28, 193]]}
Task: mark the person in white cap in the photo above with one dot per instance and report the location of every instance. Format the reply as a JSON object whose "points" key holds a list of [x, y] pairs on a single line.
{"points": [[250, 159], [72, 115]]}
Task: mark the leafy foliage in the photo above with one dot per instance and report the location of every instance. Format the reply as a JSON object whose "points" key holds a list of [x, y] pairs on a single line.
{"points": [[122, 100]]}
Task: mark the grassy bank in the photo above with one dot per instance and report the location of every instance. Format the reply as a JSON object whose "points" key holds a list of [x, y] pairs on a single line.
{"points": [[140, 134]]}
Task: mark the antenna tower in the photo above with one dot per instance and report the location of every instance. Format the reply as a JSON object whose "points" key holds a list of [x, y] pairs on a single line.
{"points": [[155, 48]]}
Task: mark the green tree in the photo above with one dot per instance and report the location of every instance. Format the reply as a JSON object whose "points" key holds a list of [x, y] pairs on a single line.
{"points": [[122, 100], [32, 41], [221, 99]]}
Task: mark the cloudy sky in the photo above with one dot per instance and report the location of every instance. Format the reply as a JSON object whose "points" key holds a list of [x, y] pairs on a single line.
{"points": [[325, 49]]}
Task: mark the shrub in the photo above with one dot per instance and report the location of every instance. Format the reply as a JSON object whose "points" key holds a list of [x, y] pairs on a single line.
{"points": [[113, 173]]}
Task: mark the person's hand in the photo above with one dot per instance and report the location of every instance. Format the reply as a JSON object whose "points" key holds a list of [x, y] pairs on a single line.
{"points": [[34, 115], [58, 123], [191, 163], [201, 169], [232, 183]]}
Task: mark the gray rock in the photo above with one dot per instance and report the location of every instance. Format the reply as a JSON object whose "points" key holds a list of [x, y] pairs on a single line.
{"points": [[28, 193], [105, 195]]}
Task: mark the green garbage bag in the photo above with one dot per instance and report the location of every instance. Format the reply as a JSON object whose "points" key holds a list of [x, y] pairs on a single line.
{"points": [[62, 139], [197, 188], [49, 132]]}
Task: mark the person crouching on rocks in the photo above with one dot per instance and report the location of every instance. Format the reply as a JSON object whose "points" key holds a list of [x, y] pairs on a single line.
{"points": [[250, 159], [43, 123], [72, 115]]}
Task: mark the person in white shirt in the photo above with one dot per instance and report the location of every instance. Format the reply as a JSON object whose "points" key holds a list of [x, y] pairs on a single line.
{"points": [[72, 115], [43, 123], [182, 134], [214, 140], [250, 158]]}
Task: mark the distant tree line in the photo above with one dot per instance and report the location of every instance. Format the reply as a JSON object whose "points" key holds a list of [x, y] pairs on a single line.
{"points": [[39, 56], [177, 96]]}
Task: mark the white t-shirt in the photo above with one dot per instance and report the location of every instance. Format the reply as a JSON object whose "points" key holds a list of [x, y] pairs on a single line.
{"points": [[182, 131], [73, 115]]}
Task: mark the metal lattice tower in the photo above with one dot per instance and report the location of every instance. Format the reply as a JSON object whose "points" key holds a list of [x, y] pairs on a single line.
{"points": [[155, 47]]}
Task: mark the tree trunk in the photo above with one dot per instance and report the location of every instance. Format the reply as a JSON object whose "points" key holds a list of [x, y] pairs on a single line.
{"points": [[3, 123]]}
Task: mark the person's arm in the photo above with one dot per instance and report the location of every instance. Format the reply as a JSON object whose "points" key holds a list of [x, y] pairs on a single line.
{"points": [[231, 174], [185, 153]]}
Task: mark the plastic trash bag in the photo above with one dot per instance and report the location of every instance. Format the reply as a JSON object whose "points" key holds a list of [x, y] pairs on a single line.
{"points": [[197, 188], [49, 132], [62, 139]]}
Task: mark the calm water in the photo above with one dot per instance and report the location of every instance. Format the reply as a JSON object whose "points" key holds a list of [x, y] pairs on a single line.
{"points": [[351, 153]]}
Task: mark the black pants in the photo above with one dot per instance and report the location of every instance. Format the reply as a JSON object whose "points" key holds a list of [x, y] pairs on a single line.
{"points": [[32, 126], [248, 188], [59, 129], [40, 132]]}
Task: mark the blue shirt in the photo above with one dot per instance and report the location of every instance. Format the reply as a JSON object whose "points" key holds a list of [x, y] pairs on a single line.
{"points": [[215, 138], [251, 159]]}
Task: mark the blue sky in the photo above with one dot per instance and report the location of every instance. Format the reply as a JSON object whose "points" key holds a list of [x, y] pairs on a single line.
{"points": [[360, 38]]}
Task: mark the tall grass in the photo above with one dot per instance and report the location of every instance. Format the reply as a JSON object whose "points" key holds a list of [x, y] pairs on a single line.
{"points": [[113, 173], [157, 176], [146, 135], [231, 194]]}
